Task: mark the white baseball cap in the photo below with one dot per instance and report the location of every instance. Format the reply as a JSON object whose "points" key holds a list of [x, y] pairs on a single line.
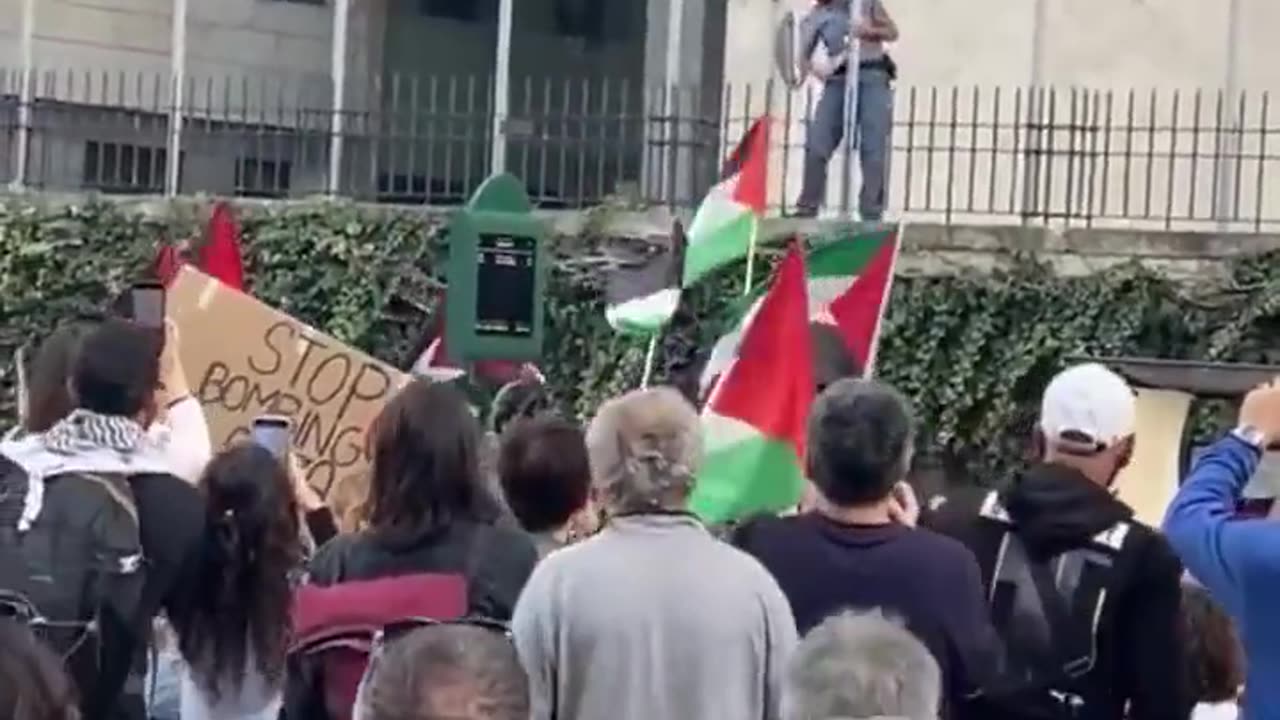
{"points": [[1088, 405]]}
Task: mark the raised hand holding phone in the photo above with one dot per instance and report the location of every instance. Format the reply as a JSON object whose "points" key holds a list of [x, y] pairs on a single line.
{"points": [[308, 498], [274, 433]]}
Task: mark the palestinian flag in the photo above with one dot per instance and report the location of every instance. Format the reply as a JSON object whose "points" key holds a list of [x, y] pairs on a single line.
{"points": [[754, 423], [725, 225], [849, 282], [642, 294]]}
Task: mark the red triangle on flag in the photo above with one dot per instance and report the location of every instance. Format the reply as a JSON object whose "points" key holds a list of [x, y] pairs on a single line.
{"points": [[750, 161], [859, 311], [770, 384], [167, 264], [220, 254]]}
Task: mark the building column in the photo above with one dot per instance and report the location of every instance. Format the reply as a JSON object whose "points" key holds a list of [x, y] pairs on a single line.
{"points": [[683, 72]]}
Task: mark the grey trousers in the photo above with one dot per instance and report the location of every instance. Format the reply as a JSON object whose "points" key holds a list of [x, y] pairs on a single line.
{"points": [[873, 127]]}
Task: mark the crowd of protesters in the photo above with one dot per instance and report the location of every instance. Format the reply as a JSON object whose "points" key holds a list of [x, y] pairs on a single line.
{"points": [[537, 569]]}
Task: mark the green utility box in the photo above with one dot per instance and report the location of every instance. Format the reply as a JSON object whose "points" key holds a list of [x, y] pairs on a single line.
{"points": [[497, 275]]}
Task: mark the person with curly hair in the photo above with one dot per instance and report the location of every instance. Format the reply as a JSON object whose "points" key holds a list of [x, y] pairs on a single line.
{"points": [[234, 632]]}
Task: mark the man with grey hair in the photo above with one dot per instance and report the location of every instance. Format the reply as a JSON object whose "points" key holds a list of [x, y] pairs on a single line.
{"points": [[652, 617], [455, 671], [857, 548], [861, 666]]}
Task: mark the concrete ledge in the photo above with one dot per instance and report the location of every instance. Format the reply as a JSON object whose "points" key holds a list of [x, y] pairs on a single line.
{"points": [[930, 248]]}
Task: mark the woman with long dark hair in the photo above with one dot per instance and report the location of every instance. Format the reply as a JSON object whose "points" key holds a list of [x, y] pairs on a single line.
{"points": [[235, 632], [429, 517], [33, 683], [429, 510]]}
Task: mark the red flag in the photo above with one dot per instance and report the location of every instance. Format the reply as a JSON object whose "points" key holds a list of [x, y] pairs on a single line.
{"points": [[220, 254], [750, 161], [166, 265], [770, 384]]}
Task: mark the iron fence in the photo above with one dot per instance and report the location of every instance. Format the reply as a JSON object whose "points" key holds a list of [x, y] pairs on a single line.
{"points": [[1072, 156]]}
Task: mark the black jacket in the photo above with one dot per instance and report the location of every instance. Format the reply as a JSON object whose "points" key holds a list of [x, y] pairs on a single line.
{"points": [[171, 521], [1139, 658], [497, 561]]}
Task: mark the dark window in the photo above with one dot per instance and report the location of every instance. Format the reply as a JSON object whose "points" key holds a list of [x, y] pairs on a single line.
{"points": [[467, 10], [583, 19], [123, 168], [263, 178], [401, 188]]}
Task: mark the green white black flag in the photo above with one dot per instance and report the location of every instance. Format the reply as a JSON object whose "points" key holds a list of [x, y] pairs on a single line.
{"points": [[643, 292]]}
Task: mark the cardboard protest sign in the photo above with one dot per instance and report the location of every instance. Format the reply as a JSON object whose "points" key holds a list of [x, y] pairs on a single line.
{"points": [[245, 359], [1150, 481]]}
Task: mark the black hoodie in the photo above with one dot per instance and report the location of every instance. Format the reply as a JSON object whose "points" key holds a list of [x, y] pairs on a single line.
{"points": [[1140, 657]]}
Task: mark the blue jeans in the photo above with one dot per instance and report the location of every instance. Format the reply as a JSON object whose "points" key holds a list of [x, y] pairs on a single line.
{"points": [[873, 125], [163, 687]]}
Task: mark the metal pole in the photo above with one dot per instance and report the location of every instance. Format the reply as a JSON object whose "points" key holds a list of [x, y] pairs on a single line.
{"points": [[650, 356], [672, 134], [1039, 18], [25, 94], [338, 81], [851, 140], [177, 86], [1035, 108], [1230, 155], [502, 86]]}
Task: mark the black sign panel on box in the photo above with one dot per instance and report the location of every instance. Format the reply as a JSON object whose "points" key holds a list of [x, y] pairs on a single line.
{"points": [[505, 285]]}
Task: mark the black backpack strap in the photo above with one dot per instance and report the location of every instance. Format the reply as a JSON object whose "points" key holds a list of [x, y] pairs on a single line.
{"points": [[1074, 648]]}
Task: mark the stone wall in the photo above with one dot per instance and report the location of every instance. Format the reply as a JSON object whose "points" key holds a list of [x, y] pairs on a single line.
{"points": [[929, 249]]}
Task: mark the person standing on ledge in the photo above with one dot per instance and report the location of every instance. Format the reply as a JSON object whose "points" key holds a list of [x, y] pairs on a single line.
{"points": [[830, 23]]}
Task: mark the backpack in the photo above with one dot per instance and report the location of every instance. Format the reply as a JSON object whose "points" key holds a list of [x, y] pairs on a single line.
{"points": [[1046, 612], [79, 561], [336, 627]]}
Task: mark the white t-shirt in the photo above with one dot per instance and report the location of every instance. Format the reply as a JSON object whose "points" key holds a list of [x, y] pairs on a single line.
{"points": [[1216, 711], [256, 700], [184, 439]]}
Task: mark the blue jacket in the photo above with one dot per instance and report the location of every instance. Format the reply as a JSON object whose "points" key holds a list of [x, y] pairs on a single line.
{"points": [[1238, 560]]}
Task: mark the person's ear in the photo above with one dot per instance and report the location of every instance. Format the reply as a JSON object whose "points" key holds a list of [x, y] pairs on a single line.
{"points": [[1124, 453], [1039, 447]]}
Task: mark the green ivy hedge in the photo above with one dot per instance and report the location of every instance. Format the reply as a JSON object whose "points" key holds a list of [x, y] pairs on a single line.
{"points": [[973, 351]]}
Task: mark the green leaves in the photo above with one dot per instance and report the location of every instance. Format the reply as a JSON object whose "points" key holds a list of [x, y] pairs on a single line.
{"points": [[972, 351]]}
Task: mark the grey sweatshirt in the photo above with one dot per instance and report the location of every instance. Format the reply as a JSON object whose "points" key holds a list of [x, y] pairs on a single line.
{"points": [[653, 618]]}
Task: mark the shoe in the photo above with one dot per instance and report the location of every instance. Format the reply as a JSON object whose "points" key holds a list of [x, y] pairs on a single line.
{"points": [[803, 212]]}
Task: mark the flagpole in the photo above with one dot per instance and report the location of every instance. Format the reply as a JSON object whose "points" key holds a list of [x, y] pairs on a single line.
{"points": [[751, 256], [650, 358], [851, 128]]}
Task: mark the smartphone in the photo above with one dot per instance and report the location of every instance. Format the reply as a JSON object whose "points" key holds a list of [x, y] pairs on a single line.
{"points": [[147, 305], [273, 432]]}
